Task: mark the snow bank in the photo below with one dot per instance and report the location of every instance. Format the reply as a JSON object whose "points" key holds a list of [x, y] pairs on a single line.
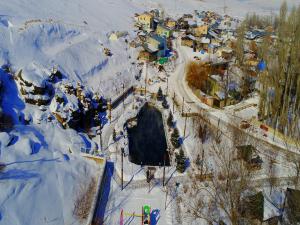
{"points": [[36, 75]]}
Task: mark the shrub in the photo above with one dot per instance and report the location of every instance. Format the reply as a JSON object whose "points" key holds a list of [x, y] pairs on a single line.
{"points": [[160, 95], [2, 167], [165, 103], [84, 200]]}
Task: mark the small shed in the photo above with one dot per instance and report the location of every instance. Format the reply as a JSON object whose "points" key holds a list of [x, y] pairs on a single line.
{"points": [[114, 36], [252, 207], [200, 30], [245, 152], [292, 206], [255, 163]]}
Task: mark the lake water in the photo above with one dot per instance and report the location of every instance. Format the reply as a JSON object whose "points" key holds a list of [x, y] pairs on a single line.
{"points": [[147, 140]]}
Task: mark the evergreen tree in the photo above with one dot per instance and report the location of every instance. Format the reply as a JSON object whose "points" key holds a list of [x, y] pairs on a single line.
{"points": [[114, 135], [175, 138], [170, 119], [160, 94], [180, 159], [97, 120], [165, 103]]}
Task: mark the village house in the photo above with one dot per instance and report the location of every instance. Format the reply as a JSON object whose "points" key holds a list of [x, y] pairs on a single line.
{"points": [[216, 91], [216, 85], [155, 47], [201, 30], [163, 31], [187, 41], [114, 36], [216, 41], [225, 52], [203, 44], [145, 20], [258, 210], [187, 16], [251, 62], [255, 34], [182, 24], [171, 24], [141, 36], [157, 43], [155, 13]]}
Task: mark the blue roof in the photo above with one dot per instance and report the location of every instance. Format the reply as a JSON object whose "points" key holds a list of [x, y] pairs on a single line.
{"points": [[261, 66], [158, 38]]}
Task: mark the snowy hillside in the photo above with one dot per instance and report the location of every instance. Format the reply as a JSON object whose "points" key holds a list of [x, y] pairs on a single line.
{"points": [[41, 166], [72, 34]]}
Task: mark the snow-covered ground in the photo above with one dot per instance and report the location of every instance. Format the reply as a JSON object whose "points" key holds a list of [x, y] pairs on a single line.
{"points": [[44, 170]]}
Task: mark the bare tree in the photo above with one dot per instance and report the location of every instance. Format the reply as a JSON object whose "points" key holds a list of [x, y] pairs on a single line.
{"points": [[240, 44], [296, 166], [272, 174], [294, 159], [197, 75], [280, 90], [222, 192]]}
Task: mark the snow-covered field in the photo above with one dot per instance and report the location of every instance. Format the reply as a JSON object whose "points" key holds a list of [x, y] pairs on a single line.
{"points": [[44, 170]]}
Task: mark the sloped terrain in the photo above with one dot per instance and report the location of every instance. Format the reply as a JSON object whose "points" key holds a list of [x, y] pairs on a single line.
{"points": [[43, 170]]}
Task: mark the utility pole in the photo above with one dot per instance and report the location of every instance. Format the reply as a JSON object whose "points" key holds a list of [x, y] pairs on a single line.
{"points": [[226, 88], [164, 173], [184, 126], [182, 109], [202, 161], [167, 87], [166, 190], [122, 170], [148, 178], [123, 86], [100, 136], [109, 109], [174, 102], [146, 78]]}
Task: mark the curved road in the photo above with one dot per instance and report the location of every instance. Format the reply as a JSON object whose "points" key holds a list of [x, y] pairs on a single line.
{"points": [[179, 86]]}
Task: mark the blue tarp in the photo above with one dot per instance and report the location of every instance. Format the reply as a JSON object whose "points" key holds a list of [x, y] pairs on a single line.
{"points": [[261, 66]]}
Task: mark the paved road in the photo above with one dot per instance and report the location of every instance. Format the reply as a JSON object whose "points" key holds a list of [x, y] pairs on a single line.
{"points": [[179, 86]]}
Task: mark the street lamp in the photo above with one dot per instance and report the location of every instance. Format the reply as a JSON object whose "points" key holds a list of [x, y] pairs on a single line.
{"points": [[122, 170]]}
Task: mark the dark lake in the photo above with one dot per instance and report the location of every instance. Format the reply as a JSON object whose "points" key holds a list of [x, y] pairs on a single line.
{"points": [[147, 142]]}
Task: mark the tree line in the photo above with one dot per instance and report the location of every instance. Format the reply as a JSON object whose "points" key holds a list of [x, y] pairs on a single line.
{"points": [[280, 83]]}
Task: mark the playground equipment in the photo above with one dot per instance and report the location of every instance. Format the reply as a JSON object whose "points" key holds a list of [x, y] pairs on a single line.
{"points": [[146, 215]]}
